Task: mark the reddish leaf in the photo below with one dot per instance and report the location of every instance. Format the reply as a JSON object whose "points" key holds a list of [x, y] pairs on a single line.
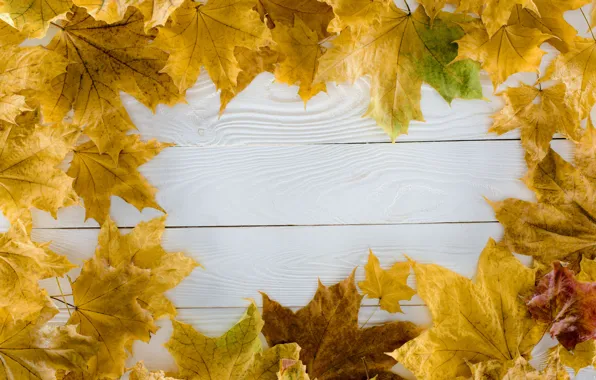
{"points": [[567, 304]]}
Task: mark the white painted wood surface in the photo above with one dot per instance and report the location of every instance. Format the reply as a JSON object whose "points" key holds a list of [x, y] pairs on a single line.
{"points": [[272, 195]]}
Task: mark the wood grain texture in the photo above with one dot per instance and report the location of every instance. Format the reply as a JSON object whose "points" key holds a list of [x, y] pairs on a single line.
{"points": [[325, 185], [286, 262]]}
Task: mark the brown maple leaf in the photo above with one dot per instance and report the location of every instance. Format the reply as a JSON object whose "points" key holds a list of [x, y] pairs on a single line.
{"points": [[567, 304], [332, 344]]}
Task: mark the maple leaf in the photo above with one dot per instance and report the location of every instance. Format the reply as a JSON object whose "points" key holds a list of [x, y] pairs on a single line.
{"points": [[142, 248], [33, 16], [157, 12], [207, 35], [10, 36], [292, 370], [106, 309], [315, 15], [301, 50], [97, 177], [237, 354], [34, 350], [400, 53], [561, 225], [22, 264], [29, 178], [496, 13], [332, 344], [355, 13], [521, 369], [139, 372], [512, 49], [12, 106], [539, 114], [577, 69], [389, 286], [104, 60], [251, 63], [473, 321], [567, 305]]}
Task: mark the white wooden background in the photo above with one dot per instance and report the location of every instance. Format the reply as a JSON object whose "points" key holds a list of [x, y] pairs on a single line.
{"points": [[271, 196]]}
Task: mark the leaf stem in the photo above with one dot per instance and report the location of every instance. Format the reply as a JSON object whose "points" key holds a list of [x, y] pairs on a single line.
{"points": [[371, 315], [365, 367], [63, 297], [588, 22], [408, 6]]}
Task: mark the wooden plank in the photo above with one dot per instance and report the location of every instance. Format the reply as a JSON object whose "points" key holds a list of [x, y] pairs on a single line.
{"points": [[286, 262], [325, 185]]}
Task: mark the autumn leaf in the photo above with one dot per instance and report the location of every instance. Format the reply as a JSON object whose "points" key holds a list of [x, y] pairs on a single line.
{"points": [[560, 226], [389, 286], [292, 370], [554, 370], [251, 63], [139, 372], [512, 49], [356, 14], [106, 309], [97, 177], [33, 16], [539, 114], [314, 14], [481, 321], [104, 60], [142, 248], [567, 305], [22, 264], [34, 350], [11, 106], [577, 69], [207, 35], [29, 178], [157, 12], [237, 354], [400, 53], [496, 13], [10, 36], [332, 344], [301, 50]]}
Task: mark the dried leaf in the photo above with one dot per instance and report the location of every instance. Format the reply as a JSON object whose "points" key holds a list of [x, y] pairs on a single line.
{"points": [[389, 286], [292, 370], [97, 177], [104, 60], [400, 53], [10, 36], [106, 309], [539, 114], [333, 346], [567, 305], [207, 35], [473, 322], [315, 15], [139, 372], [237, 354], [29, 178], [142, 248], [12, 106], [33, 16], [356, 13], [512, 49]]}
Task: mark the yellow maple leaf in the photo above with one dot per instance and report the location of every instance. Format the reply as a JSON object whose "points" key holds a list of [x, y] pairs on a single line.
{"points": [[355, 13], [142, 248], [315, 14], [496, 13], [577, 69], [29, 178], [539, 114], [33, 16], [90, 168], [22, 264], [34, 350], [106, 309], [251, 63], [520, 369], [237, 354], [512, 49], [105, 59], [301, 50], [389, 286], [400, 53], [473, 322], [207, 35], [157, 12], [139, 372], [12, 106], [10, 36]]}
